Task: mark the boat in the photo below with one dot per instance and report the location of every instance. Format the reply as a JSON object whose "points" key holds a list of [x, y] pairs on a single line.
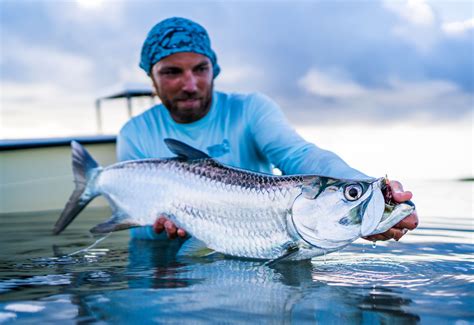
{"points": [[36, 174]]}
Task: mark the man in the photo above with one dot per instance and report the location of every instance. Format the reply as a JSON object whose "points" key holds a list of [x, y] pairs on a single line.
{"points": [[245, 131]]}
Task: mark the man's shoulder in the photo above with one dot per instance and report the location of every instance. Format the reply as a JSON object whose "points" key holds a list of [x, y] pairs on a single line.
{"points": [[242, 97], [243, 101], [140, 121]]}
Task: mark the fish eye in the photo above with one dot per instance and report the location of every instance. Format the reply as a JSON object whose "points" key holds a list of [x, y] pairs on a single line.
{"points": [[353, 192]]}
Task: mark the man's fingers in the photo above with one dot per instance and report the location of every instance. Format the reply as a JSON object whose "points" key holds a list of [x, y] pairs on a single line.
{"points": [[170, 229], [396, 186], [375, 237], [382, 236], [410, 222], [397, 233], [158, 228], [163, 223], [402, 196], [399, 195], [159, 225], [181, 233], [392, 233], [169, 226]]}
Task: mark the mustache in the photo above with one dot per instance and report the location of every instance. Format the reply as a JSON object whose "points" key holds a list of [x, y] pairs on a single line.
{"points": [[187, 95]]}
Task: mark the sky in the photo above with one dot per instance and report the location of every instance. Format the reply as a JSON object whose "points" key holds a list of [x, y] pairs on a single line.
{"points": [[387, 85]]}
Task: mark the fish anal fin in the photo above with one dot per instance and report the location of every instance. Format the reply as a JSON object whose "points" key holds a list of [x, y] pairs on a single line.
{"points": [[194, 248], [115, 223]]}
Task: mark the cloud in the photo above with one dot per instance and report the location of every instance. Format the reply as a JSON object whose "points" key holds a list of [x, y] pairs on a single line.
{"points": [[417, 12], [83, 12], [328, 96], [458, 28], [315, 58], [236, 77], [424, 24], [417, 25], [16, 92], [90, 4], [330, 85], [28, 63], [423, 39]]}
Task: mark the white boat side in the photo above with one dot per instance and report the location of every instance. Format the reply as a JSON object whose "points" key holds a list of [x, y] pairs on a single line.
{"points": [[36, 174]]}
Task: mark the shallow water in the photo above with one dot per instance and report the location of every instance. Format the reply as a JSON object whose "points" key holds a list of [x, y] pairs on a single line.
{"points": [[428, 277]]}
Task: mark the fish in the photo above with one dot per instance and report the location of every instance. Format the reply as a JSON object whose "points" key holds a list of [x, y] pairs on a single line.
{"points": [[230, 210]]}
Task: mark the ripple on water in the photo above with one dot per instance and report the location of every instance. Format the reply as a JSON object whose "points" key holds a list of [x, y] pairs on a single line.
{"points": [[48, 310], [39, 280], [25, 278], [354, 270], [428, 274]]}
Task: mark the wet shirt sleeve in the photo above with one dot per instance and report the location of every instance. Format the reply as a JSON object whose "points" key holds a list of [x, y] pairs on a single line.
{"points": [[286, 149]]}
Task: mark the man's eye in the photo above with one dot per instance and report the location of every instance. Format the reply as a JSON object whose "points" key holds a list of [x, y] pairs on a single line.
{"points": [[203, 69], [169, 72]]}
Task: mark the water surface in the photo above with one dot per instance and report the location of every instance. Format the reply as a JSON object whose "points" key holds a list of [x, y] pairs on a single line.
{"points": [[428, 277]]}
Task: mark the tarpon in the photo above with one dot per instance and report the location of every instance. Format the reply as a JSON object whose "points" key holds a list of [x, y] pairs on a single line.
{"points": [[230, 210]]}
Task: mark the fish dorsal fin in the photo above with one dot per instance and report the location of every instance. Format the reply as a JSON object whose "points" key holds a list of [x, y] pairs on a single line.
{"points": [[185, 151]]}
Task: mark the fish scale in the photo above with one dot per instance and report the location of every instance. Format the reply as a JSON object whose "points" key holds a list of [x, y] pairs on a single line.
{"points": [[230, 210], [230, 227]]}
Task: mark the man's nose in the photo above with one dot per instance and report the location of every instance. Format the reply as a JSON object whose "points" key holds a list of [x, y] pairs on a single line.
{"points": [[189, 82]]}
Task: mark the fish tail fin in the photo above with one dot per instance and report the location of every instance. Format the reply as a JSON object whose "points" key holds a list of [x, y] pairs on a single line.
{"points": [[85, 170]]}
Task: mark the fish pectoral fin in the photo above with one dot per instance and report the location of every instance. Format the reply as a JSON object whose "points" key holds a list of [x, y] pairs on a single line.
{"points": [[290, 251], [194, 248], [115, 223]]}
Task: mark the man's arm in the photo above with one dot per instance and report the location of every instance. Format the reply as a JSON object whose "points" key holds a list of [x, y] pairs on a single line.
{"points": [[293, 155], [287, 150]]}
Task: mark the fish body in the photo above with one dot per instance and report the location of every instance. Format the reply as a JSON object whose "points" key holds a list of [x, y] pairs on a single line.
{"points": [[230, 210]]}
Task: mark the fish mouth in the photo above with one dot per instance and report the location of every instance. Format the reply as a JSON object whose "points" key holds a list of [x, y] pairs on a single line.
{"points": [[393, 212], [390, 204], [386, 191]]}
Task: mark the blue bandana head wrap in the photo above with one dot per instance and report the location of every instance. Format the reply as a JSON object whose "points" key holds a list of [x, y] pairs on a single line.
{"points": [[174, 35]]}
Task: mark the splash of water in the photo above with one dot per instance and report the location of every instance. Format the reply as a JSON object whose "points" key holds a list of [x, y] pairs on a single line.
{"points": [[85, 250]]}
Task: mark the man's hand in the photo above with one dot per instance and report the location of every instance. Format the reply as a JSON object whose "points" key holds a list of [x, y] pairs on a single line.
{"points": [[163, 223], [401, 228]]}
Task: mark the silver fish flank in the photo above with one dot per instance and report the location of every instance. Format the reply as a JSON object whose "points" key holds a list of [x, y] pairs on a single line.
{"points": [[230, 210]]}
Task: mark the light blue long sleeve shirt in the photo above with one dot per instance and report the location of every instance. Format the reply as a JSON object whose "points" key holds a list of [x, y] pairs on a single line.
{"points": [[244, 131]]}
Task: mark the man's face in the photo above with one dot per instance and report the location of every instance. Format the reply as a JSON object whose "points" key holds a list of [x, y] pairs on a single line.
{"points": [[184, 82]]}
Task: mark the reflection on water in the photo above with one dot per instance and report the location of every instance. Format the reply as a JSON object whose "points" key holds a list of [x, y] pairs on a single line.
{"points": [[428, 277]]}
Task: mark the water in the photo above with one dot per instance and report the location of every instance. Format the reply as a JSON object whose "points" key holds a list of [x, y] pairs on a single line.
{"points": [[427, 277]]}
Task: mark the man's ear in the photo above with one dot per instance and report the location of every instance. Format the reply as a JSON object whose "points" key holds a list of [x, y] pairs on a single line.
{"points": [[153, 87], [153, 84]]}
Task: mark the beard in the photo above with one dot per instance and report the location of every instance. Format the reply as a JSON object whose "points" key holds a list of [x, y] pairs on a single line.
{"points": [[188, 107]]}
